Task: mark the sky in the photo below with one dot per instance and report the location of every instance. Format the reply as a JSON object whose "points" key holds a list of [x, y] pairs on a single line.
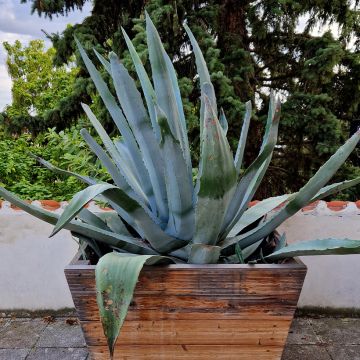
{"points": [[17, 23]]}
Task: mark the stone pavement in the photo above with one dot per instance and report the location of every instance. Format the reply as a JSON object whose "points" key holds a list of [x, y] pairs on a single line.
{"points": [[61, 339]]}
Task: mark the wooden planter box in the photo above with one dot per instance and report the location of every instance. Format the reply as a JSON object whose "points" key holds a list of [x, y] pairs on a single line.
{"points": [[196, 312]]}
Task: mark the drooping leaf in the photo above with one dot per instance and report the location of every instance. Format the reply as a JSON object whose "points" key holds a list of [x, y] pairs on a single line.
{"points": [[317, 247], [116, 277], [217, 180]]}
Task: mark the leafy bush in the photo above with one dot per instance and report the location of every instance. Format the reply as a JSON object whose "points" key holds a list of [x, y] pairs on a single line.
{"points": [[22, 174]]}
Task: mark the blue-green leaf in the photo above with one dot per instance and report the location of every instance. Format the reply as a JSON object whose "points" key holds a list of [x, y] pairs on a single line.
{"points": [[217, 180], [179, 186], [157, 238], [223, 121], [252, 177], [116, 277], [127, 243], [167, 89], [134, 110], [317, 247], [301, 199], [243, 136], [117, 116], [146, 85]]}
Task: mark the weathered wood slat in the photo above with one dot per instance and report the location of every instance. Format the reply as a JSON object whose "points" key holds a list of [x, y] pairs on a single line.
{"points": [[187, 352], [205, 332], [197, 312]]}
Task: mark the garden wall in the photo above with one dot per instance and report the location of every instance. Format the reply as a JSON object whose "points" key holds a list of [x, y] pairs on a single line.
{"points": [[31, 264]]}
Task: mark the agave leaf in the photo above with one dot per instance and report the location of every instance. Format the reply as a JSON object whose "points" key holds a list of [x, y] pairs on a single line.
{"points": [[301, 199], [317, 247], [223, 121], [204, 254], [206, 86], [202, 68], [86, 179], [117, 116], [87, 242], [334, 188], [146, 85], [217, 180], [179, 187], [114, 222], [281, 242], [242, 141], [134, 110], [103, 61], [91, 219], [273, 106], [114, 172], [167, 89], [116, 277], [257, 211], [127, 243], [252, 177], [249, 250], [157, 238], [132, 178]]}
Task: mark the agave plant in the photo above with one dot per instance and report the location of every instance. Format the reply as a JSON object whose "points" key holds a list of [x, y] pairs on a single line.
{"points": [[159, 214]]}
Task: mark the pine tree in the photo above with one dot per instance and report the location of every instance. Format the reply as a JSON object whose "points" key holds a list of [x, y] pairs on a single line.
{"points": [[250, 47]]}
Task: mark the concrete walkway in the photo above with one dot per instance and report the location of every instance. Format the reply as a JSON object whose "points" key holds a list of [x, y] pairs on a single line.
{"points": [[61, 339]]}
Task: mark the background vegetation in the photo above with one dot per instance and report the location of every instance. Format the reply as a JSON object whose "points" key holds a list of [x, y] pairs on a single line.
{"points": [[250, 47]]}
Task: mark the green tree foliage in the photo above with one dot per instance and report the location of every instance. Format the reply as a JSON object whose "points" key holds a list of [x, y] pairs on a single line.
{"points": [[20, 173], [37, 86], [250, 47]]}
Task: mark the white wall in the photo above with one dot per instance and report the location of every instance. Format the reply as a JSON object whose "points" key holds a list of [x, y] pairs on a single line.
{"points": [[31, 264], [331, 281]]}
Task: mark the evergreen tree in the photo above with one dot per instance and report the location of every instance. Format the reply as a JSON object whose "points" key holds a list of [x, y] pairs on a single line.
{"points": [[250, 47]]}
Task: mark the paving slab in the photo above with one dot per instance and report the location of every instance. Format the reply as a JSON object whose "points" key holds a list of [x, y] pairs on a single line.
{"points": [[13, 354], [58, 354], [21, 333], [61, 334], [347, 352], [302, 332], [306, 352], [337, 331]]}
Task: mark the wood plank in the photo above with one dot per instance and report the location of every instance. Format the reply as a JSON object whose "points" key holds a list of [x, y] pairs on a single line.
{"points": [[189, 307], [188, 352], [195, 332], [197, 312]]}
